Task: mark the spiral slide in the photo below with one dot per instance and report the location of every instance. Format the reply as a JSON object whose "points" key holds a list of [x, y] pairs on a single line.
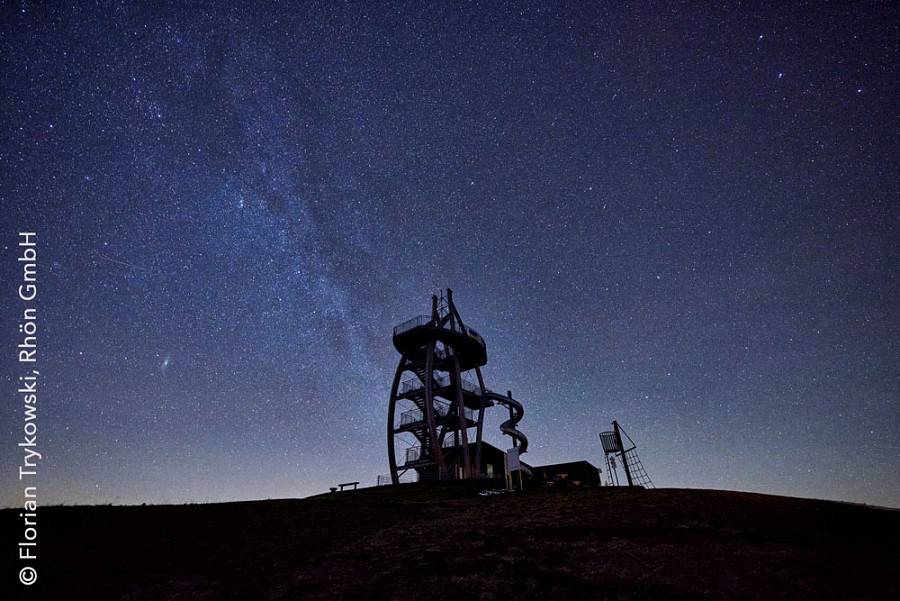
{"points": [[509, 426]]}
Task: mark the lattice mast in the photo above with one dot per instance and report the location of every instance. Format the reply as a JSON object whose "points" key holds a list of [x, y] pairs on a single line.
{"points": [[618, 436], [613, 445]]}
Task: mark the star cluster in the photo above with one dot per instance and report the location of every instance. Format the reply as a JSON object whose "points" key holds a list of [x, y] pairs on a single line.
{"points": [[683, 218]]}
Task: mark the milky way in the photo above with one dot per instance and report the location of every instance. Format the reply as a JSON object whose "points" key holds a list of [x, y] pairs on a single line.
{"points": [[681, 218]]}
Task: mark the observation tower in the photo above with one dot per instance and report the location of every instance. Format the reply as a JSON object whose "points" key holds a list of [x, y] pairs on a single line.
{"points": [[438, 399]]}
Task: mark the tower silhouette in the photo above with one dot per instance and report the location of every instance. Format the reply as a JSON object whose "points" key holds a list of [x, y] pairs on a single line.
{"points": [[438, 398]]}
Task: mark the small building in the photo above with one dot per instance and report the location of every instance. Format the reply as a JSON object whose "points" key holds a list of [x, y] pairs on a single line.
{"points": [[580, 474], [492, 463]]}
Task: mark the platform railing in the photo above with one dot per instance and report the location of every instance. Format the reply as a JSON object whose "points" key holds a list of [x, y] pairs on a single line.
{"points": [[385, 480], [416, 384], [425, 320], [472, 387], [474, 335], [410, 417], [415, 322], [441, 409], [448, 443]]}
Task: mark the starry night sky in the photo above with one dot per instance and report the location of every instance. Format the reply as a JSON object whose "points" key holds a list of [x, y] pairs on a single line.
{"points": [[682, 218]]}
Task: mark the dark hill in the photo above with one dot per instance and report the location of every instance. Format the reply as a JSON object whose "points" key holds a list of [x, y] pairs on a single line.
{"points": [[444, 542]]}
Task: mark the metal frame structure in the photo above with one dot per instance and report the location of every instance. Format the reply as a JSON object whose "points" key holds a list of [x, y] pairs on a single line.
{"points": [[438, 398], [613, 446]]}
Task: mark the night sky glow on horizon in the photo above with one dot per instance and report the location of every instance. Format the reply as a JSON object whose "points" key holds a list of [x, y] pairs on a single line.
{"points": [[681, 218]]}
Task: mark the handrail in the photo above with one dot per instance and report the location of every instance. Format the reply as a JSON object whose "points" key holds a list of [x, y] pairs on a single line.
{"points": [[411, 384], [471, 387], [385, 480], [426, 320], [415, 322], [441, 409], [410, 417]]}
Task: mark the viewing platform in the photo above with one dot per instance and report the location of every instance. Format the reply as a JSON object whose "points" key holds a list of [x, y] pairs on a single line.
{"points": [[420, 330]]}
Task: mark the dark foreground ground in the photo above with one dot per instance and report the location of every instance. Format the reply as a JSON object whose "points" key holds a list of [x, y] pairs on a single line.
{"points": [[446, 543]]}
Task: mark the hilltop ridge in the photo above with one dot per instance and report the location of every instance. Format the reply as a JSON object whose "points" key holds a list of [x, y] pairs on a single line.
{"points": [[442, 540]]}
